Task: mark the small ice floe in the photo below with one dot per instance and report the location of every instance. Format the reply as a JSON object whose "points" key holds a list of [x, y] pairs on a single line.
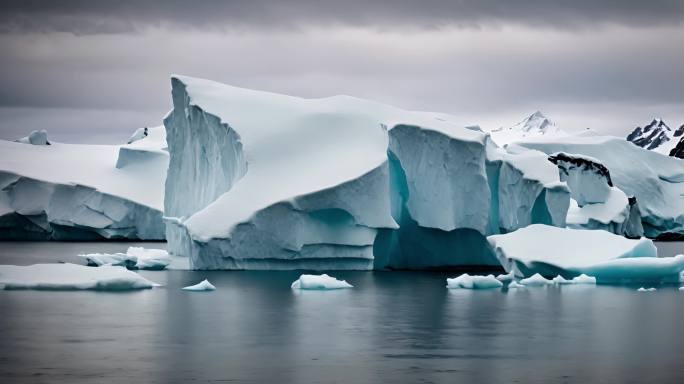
{"points": [[642, 289], [681, 288], [134, 258], [204, 285], [514, 284], [581, 279], [465, 281], [319, 282], [584, 279], [504, 278], [71, 277], [535, 280], [560, 280]]}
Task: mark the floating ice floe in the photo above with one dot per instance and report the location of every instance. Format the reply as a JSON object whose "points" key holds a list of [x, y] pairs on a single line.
{"points": [[642, 289], [535, 280], [134, 258], [204, 285], [609, 258], [510, 276], [581, 279], [71, 277], [515, 284], [681, 288], [467, 281], [319, 282]]}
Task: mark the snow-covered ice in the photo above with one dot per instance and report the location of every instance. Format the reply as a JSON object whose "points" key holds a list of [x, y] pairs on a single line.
{"points": [[535, 280], [609, 258], [83, 192], [656, 181], [203, 285], [319, 282], [467, 281], [515, 284], [71, 277], [510, 276], [339, 183], [584, 279], [134, 258]]}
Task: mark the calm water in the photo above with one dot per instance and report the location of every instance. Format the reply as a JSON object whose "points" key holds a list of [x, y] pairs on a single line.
{"points": [[393, 327]]}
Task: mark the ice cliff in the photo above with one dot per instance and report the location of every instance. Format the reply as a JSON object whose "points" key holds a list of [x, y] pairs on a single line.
{"points": [[652, 183], [83, 192], [264, 181]]}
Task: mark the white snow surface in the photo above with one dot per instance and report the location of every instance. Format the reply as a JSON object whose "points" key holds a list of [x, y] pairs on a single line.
{"points": [[543, 248], [319, 282], [656, 181], [203, 285], [69, 190], [535, 125], [466, 281], [71, 277]]}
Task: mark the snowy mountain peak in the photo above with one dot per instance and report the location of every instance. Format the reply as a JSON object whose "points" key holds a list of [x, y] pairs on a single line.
{"points": [[534, 125], [656, 135]]}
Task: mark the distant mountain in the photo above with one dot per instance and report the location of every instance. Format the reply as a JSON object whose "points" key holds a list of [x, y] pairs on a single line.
{"points": [[678, 150], [656, 136], [534, 126]]}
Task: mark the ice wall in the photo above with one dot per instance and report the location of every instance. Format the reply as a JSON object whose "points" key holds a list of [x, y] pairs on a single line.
{"points": [[265, 181], [656, 181]]}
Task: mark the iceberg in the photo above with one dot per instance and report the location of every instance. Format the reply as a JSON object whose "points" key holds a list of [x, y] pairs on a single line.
{"points": [[203, 285], [656, 181], [514, 284], [609, 258], [134, 258], [71, 277], [264, 181], [504, 278], [467, 281], [75, 191], [319, 282]]}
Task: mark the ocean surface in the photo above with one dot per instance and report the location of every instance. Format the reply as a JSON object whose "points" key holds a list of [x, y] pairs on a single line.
{"points": [[393, 327]]}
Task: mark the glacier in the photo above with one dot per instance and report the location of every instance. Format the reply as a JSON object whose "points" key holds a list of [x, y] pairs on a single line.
{"points": [[83, 192], [264, 181], [71, 277], [653, 183]]}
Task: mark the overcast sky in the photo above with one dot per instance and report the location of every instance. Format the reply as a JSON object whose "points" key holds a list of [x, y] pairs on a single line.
{"points": [[91, 71]]}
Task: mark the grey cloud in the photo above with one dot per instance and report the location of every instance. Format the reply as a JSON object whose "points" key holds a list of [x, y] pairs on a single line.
{"points": [[86, 17]]}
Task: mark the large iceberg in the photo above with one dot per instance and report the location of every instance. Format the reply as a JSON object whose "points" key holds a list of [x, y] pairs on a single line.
{"points": [[551, 251], [656, 181], [264, 181], [71, 277], [83, 192]]}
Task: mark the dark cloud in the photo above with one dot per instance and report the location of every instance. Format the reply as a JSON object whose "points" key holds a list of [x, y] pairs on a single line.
{"points": [[125, 16]]}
